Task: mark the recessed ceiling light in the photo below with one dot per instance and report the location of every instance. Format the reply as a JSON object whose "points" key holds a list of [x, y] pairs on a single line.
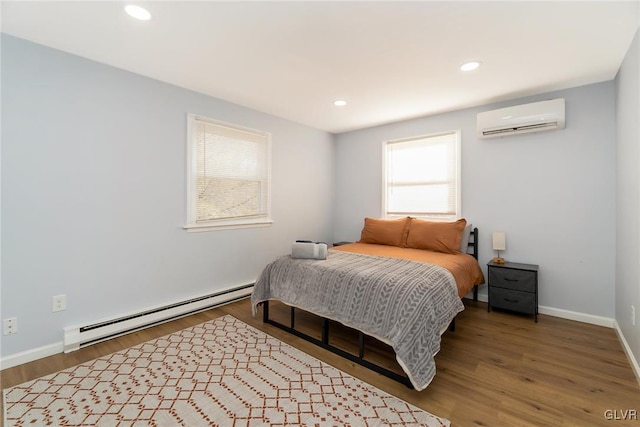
{"points": [[340, 103], [470, 66], [138, 12]]}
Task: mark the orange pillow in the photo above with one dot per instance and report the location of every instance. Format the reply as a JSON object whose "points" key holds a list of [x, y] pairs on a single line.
{"points": [[392, 232], [436, 236]]}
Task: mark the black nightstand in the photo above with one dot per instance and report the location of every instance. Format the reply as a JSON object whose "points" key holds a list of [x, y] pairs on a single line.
{"points": [[513, 286]]}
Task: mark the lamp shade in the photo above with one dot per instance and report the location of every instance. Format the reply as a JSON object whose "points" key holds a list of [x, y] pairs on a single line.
{"points": [[499, 241]]}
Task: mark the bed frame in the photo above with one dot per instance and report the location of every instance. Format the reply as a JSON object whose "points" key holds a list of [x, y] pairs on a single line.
{"points": [[359, 358]]}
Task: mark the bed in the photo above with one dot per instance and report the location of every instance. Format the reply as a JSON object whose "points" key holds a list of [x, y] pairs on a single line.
{"points": [[401, 283]]}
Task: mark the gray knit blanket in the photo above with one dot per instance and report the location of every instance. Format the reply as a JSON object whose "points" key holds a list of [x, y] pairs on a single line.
{"points": [[406, 304]]}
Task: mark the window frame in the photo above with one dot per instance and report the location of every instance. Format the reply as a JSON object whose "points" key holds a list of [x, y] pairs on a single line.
{"points": [[191, 209], [457, 176]]}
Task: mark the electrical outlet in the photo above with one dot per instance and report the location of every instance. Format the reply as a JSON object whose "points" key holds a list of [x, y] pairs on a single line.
{"points": [[633, 315], [10, 326], [59, 303]]}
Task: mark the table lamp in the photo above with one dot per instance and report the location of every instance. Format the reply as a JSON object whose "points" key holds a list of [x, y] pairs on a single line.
{"points": [[499, 244]]}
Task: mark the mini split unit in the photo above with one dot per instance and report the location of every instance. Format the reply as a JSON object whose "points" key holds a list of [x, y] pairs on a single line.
{"points": [[534, 117]]}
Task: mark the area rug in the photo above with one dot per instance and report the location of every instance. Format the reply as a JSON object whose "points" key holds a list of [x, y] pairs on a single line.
{"points": [[220, 373]]}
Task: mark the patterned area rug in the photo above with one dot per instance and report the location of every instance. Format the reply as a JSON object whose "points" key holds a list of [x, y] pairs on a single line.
{"points": [[220, 373]]}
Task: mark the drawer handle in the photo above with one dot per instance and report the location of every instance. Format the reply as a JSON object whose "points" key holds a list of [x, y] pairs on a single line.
{"points": [[510, 280], [510, 300]]}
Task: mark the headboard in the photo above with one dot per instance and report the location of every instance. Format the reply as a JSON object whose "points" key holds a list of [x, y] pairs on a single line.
{"points": [[473, 242]]}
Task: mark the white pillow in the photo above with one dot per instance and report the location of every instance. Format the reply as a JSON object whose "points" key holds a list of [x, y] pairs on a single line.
{"points": [[309, 250]]}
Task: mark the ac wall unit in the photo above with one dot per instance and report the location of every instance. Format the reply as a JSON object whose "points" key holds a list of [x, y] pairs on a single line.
{"points": [[534, 117]]}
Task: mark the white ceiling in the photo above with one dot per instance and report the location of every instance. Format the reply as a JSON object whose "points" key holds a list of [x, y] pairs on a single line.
{"points": [[389, 60]]}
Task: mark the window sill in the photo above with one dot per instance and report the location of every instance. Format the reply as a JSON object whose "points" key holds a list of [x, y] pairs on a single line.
{"points": [[196, 228]]}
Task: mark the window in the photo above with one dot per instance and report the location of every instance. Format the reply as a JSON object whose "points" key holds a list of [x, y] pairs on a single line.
{"points": [[422, 177], [228, 175]]}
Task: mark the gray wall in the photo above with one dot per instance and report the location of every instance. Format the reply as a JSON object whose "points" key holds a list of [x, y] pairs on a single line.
{"points": [[552, 193], [93, 194], [628, 203]]}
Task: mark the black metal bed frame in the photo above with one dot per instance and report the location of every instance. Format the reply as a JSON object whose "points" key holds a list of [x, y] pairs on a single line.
{"points": [[359, 359]]}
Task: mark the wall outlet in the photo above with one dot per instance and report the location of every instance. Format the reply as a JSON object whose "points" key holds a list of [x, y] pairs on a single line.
{"points": [[10, 326], [59, 303], [633, 315]]}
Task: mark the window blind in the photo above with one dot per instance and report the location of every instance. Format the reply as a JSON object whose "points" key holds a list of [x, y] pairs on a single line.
{"points": [[422, 176], [231, 172]]}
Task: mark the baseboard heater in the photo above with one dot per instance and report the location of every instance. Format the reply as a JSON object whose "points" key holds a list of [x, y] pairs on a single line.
{"points": [[76, 337]]}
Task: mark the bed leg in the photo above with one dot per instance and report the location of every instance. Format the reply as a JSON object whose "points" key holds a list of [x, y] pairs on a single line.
{"points": [[293, 317], [360, 345], [265, 311], [475, 293], [325, 331], [452, 325]]}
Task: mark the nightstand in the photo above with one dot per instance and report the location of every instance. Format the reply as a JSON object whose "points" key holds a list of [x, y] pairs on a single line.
{"points": [[513, 286]]}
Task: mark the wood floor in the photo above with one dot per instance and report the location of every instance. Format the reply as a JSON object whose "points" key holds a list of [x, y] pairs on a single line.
{"points": [[496, 369]]}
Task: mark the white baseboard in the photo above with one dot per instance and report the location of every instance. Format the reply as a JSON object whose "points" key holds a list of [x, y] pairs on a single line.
{"points": [[565, 314], [625, 345], [31, 355], [481, 297], [579, 317]]}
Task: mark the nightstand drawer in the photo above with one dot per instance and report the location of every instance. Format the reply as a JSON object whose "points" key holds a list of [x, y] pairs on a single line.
{"points": [[519, 280], [507, 299]]}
